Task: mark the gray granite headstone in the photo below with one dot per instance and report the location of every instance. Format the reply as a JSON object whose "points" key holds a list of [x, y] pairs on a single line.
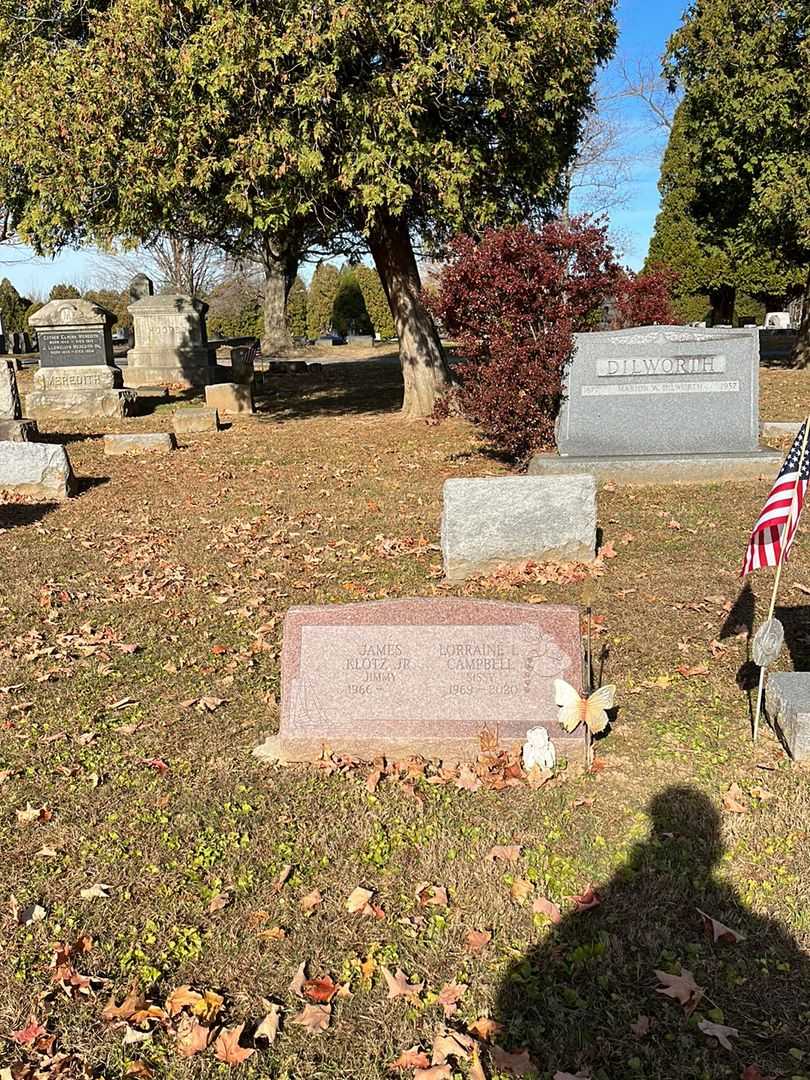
{"points": [[666, 390], [787, 700], [494, 521]]}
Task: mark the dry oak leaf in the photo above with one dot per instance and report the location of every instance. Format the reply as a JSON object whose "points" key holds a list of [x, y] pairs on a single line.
{"points": [[220, 901], [272, 933], [543, 906], [719, 1032], [411, 1059], [718, 930], [587, 899], [688, 672], [313, 1018], [358, 902], [192, 1036], [520, 890], [320, 990], [283, 874], [477, 940], [467, 780], [504, 852], [398, 985], [181, 997], [99, 891], [519, 1064], [732, 800], [449, 997], [33, 813], [641, 1027], [431, 895], [227, 1046], [29, 1034], [682, 988], [297, 985], [268, 1027], [309, 902], [132, 1003], [207, 1006], [485, 1029], [448, 1044]]}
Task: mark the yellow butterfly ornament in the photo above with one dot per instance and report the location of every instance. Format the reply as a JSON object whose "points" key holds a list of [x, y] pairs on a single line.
{"points": [[592, 711]]}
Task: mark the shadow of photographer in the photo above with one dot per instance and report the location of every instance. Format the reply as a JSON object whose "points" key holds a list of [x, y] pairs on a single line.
{"points": [[585, 998]]}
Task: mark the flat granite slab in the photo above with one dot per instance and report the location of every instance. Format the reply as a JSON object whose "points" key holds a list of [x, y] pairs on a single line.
{"points": [[661, 469], [787, 703], [427, 677]]}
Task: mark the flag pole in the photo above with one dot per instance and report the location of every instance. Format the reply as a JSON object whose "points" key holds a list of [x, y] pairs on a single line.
{"points": [[778, 577]]}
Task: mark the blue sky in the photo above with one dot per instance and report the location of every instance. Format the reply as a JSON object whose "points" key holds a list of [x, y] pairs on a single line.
{"points": [[644, 25]]}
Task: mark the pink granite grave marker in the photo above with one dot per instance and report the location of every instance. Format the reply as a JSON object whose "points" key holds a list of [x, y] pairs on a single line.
{"points": [[403, 677]]}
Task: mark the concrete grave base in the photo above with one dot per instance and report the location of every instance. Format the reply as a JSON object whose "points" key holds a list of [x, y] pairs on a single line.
{"points": [[38, 470], [157, 443], [662, 469], [81, 404], [230, 397], [18, 430], [143, 371], [775, 429], [191, 420], [787, 703]]}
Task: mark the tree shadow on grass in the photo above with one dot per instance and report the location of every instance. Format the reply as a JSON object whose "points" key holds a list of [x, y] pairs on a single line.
{"points": [[333, 390], [572, 1001]]}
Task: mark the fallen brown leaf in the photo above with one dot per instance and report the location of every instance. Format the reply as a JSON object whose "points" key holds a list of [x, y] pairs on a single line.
{"points": [[587, 899], [268, 1026], [320, 990], [227, 1046], [449, 997], [505, 853], [519, 1064], [192, 1036], [543, 906], [718, 931], [681, 988], [398, 985], [485, 1029], [313, 1018], [732, 800], [411, 1059], [477, 940]]}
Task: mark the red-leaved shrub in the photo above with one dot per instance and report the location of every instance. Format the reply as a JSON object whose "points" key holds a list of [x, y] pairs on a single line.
{"points": [[645, 299], [513, 301]]}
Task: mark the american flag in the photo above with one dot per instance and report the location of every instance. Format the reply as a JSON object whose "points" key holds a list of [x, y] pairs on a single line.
{"points": [[776, 526]]}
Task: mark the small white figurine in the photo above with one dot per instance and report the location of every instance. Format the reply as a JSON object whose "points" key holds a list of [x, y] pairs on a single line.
{"points": [[538, 750]]}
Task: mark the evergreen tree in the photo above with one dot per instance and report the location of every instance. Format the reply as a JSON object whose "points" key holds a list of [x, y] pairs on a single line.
{"points": [[63, 291], [385, 119], [379, 311], [297, 309], [744, 66], [12, 308], [349, 311], [321, 299]]}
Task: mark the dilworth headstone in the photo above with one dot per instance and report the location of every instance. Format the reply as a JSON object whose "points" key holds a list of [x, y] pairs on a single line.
{"points": [[428, 677], [661, 404], [13, 428], [76, 376], [171, 345]]}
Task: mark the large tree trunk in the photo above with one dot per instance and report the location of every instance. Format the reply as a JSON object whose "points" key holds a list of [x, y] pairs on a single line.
{"points": [[801, 354], [722, 302], [424, 367], [280, 267]]}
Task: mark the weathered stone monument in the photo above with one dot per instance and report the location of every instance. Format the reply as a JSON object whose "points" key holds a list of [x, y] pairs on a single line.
{"points": [[13, 428], [428, 677], [76, 376], [37, 470], [494, 521], [661, 404], [171, 346], [787, 701]]}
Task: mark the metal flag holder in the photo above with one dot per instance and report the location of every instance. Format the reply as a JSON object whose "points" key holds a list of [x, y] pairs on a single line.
{"points": [[768, 640]]}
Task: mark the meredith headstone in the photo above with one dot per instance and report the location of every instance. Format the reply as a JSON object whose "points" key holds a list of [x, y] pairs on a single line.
{"points": [[76, 376], [661, 403], [427, 677]]}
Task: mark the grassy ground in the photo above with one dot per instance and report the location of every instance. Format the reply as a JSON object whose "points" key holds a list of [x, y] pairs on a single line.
{"points": [[166, 582]]}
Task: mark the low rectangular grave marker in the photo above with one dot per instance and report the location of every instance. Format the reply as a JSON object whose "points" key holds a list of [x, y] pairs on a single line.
{"points": [[427, 677]]}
